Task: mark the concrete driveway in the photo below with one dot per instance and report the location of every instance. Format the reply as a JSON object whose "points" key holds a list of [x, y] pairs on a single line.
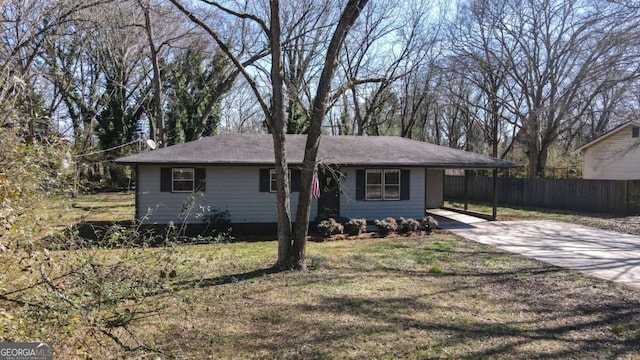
{"points": [[605, 254]]}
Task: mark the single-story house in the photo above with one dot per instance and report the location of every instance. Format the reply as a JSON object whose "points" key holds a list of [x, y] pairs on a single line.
{"points": [[369, 177], [614, 155]]}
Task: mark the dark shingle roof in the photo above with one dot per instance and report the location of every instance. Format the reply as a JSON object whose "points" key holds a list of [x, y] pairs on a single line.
{"points": [[257, 149]]}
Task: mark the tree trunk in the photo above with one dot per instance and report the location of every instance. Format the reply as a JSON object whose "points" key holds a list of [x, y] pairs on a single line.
{"points": [[278, 131], [537, 154], [532, 155], [157, 81], [349, 16]]}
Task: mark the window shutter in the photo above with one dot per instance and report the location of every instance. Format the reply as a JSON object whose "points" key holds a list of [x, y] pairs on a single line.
{"points": [[165, 179], [296, 178], [264, 180], [360, 184], [405, 184], [200, 177]]}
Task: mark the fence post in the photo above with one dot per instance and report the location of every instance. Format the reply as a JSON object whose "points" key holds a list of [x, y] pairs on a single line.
{"points": [[466, 189], [494, 212], [626, 197]]}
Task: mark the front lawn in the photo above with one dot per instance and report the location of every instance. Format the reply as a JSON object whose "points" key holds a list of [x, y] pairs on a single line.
{"points": [[425, 297], [435, 296]]}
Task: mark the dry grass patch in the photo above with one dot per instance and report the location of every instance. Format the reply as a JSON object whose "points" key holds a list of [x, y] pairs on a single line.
{"points": [[370, 298], [36, 227], [104, 207]]}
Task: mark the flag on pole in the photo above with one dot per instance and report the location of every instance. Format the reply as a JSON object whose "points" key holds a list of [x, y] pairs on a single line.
{"points": [[315, 186]]}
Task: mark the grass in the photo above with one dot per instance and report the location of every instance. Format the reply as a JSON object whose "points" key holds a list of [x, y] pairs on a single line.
{"points": [[604, 221], [507, 213], [50, 219], [103, 207], [431, 297]]}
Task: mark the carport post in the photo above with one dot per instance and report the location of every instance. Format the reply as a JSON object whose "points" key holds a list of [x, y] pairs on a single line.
{"points": [[466, 189], [494, 214]]}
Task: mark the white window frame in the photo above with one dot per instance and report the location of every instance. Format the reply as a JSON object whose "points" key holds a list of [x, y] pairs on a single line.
{"points": [[174, 180], [272, 180], [382, 185]]}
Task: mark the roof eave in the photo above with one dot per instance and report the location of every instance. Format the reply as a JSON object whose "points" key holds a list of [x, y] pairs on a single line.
{"points": [[607, 135], [360, 164], [202, 163]]}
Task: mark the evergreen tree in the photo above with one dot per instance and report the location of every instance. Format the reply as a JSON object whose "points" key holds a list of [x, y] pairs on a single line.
{"points": [[192, 81]]}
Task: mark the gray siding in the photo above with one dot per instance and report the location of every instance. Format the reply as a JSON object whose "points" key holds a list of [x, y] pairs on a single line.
{"points": [[371, 210], [614, 158], [232, 188]]}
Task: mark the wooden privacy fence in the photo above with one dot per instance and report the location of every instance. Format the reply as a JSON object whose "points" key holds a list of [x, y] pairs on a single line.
{"points": [[601, 196]]}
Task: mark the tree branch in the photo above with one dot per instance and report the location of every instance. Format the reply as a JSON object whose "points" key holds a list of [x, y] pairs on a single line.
{"points": [[351, 83], [225, 49], [259, 21], [86, 317]]}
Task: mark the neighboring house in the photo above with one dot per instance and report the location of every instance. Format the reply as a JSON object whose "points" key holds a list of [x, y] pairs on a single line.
{"points": [[614, 155], [360, 177]]}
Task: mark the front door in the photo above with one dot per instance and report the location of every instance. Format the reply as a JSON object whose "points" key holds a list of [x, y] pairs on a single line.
{"points": [[329, 201]]}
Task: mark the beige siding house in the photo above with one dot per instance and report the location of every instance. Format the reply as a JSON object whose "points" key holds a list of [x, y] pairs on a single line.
{"points": [[613, 156]]}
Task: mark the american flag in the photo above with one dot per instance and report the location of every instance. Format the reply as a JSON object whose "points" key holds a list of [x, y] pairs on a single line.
{"points": [[315, 186]]}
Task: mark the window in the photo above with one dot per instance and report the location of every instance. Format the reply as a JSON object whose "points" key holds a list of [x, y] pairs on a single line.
{"points": [[635, 132], [272, 180], [392, 184], [182, 179], [382, 184], [268, 180], [374, 185]]}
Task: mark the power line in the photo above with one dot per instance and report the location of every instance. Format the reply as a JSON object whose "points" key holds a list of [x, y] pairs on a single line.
{"points": [[105, 150]]}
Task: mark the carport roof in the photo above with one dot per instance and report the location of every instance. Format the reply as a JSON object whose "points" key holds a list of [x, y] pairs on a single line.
{"points": [[257, 149]]}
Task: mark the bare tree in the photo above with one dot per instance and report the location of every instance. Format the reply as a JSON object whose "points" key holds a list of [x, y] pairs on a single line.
{"points": [[542, 68], [555, 51], [97, 62], [156, 80], [25, 27], [291, 242], [240, 113], [384, 48], [480, 59], [306, 27]]}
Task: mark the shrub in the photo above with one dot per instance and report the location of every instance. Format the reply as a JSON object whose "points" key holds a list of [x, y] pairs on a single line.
{"points": [[355, 227], [386, 226], [219, 222], [408, 225], [329, 227], [429, 223]]}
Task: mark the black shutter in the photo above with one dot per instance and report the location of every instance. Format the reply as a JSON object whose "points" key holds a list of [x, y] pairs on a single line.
{"points": [[360, 184], [200, 179], [265, 180], [296, 178], [165, 179], [405, 184]]}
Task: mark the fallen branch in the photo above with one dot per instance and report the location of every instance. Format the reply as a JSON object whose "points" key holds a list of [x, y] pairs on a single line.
{"points": [[87, 319]]}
